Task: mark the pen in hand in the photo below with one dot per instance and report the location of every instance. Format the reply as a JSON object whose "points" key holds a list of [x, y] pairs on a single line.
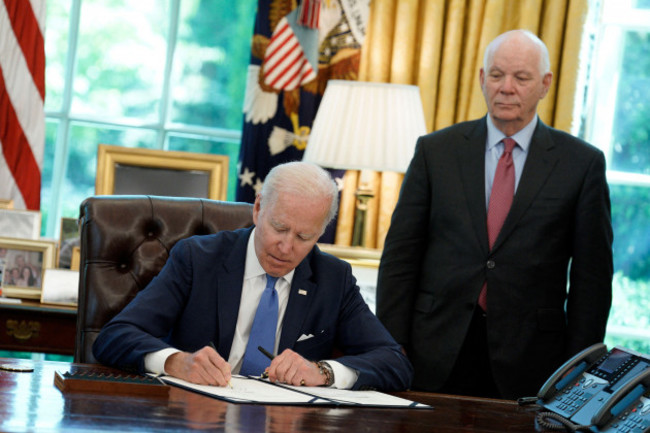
{"points": [[211, 344], [268, 355]]}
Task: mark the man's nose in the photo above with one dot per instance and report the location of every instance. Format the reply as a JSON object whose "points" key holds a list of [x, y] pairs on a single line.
{"points": [[508, 84], [286, 244]]}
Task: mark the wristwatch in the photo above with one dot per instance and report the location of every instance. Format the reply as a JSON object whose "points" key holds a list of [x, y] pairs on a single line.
{"points": [[326, 369]]}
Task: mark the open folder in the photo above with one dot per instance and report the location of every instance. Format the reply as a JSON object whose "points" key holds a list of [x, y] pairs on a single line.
{"points": [[261, 391]]}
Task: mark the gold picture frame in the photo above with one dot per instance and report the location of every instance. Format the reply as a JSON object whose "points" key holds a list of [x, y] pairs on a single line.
{"points": [[19, 255], [365, 268], [126, 170], [356, 256]]}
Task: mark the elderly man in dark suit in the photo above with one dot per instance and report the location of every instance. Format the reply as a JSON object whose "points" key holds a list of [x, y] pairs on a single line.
{"points": [[493, 215], [207, 312]]}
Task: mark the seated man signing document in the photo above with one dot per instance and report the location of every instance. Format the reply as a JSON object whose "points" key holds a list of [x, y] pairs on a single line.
{"points": [[267, 286]]}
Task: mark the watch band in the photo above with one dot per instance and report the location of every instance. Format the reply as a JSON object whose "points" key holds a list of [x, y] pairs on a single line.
{"points": [[326, 369]]}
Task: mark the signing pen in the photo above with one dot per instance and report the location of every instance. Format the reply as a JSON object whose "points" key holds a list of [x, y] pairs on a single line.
{"points": [[266, 352], [211, 344], [268, 355]]}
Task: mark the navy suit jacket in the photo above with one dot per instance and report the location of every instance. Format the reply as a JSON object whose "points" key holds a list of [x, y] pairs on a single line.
{"points": [[437, 257], [195, 300]]}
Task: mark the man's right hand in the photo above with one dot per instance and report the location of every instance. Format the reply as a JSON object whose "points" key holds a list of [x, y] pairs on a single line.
{"points": [[203, 367]]}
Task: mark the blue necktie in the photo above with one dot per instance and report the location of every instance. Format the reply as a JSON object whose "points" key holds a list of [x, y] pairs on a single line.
{"points": [[262, 332]]}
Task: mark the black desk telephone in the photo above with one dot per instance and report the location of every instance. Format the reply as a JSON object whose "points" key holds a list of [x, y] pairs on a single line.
{"points": [[607, 391]]}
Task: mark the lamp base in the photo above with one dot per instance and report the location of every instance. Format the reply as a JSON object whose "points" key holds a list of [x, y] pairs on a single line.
{"points": [[360, 216]]}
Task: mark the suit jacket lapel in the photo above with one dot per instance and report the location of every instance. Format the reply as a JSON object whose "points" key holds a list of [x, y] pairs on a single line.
{"points": [[303, 291], [540, 161], [229, 287], [471, 160]]}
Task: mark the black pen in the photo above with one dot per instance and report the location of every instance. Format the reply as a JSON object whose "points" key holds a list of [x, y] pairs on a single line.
{"points": [[268, 355], [266, 352], [211, 344]]}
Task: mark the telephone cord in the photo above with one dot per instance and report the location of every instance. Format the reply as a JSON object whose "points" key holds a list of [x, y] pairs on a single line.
{"points": [[554, 421]]}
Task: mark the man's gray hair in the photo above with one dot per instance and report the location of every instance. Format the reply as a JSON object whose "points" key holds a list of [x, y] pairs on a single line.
{"points": [[544, 62], [303, 179]]}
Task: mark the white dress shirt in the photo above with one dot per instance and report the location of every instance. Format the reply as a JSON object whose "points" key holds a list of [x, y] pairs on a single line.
{"points": [[494, 149]]}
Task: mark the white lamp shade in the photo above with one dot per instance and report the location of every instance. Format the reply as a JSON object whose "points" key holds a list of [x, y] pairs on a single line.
{"points": [[361, 125]]}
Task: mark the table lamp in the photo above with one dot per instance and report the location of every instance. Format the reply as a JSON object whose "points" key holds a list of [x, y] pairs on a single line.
{"points": [[362, 125]]}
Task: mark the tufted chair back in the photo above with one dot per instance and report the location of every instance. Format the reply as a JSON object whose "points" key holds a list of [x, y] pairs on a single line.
{"points": [[125, 241]]}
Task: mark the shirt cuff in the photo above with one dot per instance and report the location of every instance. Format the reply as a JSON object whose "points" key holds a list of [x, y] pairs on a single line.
{"points": [[344, 377], [154, 362]]}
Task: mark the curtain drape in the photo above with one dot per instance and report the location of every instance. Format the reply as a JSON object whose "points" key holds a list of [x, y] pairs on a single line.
{"points": [[438, 45]]}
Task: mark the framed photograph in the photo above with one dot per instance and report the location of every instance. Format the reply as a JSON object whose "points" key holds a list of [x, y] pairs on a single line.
{"points": [[365, 268], [23, 262], [6, 204], [125, 170], [23, 224], [68, 239], [60, 286]]}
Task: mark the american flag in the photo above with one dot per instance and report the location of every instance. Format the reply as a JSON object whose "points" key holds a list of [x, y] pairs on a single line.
{"points": [[22, 95]]}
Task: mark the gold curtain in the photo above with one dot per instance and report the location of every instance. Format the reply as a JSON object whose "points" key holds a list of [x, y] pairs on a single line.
{"points": [[438, 45]]}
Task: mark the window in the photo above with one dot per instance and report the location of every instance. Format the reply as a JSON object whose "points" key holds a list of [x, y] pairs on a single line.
{"points": [[161, 74], [616, 118]]}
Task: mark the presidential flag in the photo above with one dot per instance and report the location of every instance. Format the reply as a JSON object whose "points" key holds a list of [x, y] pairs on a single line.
{"points": [[294, 52], [22, 94]]}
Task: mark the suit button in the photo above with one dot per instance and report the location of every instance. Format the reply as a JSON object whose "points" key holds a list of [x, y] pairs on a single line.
{"points": [[491, 264]]}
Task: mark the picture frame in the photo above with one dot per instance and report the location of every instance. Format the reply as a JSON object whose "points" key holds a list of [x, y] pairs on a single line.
{"points": [[69, 238], [136, 171], [19, 223], [365, 268], [6, 204], [16, 255], [60, 287]]}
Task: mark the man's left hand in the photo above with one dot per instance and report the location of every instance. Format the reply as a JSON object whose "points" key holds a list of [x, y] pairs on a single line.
{"points": [[291, 368]]}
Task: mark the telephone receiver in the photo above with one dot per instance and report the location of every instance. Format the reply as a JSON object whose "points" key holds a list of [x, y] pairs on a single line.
{"points": [[626, 400], [570, 370]]}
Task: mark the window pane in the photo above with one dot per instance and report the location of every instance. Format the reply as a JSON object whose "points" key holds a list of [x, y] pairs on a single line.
{"points": [[79, 182], [642, 4], [631, 220], [51, 130], [210, 61], [630, 216], [56, 47], [121, 59], [631, 131], [188, 143]]}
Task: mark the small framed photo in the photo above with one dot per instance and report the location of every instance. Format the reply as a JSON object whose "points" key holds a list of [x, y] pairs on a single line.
{"points": [[365, 268], [68, 240], [60, 286], [23, 262], [23, 224]]}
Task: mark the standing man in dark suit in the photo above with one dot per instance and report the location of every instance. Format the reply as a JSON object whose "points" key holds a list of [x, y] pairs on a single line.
{"points": [[440, 257], [199, 319]]}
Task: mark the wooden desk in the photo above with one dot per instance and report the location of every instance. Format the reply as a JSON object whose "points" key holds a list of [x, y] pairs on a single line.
{"points": [[31, 402], [34, 327]]}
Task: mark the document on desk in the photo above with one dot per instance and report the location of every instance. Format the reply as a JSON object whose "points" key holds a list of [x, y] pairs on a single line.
{"points": [[260, 391]]}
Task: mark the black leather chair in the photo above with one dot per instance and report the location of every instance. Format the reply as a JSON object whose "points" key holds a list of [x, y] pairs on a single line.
{"points": [[125, 241]]}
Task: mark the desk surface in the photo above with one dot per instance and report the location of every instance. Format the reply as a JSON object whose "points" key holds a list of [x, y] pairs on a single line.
{"points": [[31, 402]]}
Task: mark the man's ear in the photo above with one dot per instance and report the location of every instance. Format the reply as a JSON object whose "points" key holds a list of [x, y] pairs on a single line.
{"points": [[256, 207], [546, 82]]}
